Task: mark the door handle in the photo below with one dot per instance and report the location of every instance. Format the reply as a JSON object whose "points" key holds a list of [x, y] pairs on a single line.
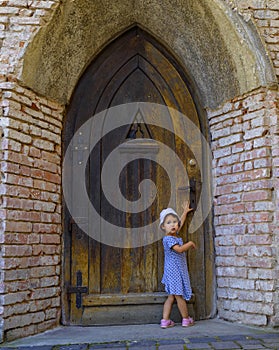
{"points": [[192, 188], [193, 199]]}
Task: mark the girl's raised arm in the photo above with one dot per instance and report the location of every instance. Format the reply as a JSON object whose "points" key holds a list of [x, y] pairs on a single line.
{"points": [[186, 210]]}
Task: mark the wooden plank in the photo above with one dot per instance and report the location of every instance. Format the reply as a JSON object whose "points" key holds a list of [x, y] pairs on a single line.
{"points": [[94, 192], [121, 315], [129, 314], [127, 299], [79, 263]]}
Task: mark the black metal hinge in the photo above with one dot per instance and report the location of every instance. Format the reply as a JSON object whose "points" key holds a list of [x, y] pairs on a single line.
{"points": [[78, 290]]}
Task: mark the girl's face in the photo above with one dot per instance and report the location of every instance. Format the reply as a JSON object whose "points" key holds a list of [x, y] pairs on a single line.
{"points": [[171, 224]]}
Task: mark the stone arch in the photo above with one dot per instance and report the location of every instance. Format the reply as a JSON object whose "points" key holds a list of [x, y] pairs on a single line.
{"points": [[222, 51]]}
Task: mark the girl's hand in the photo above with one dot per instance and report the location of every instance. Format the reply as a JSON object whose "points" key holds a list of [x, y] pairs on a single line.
{"points": [[192, 245], [186, 207], [186, 210]]}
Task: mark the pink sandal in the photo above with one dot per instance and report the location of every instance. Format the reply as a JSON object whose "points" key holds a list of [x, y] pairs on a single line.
{"points": [[167, 323], [186, 322]]}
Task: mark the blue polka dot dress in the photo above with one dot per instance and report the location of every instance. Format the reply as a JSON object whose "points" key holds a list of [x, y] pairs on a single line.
{"points": [[176, 277]]}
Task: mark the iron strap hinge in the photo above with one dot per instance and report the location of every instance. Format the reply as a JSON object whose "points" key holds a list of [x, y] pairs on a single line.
{"points": [[78, 290], [73, 289]]}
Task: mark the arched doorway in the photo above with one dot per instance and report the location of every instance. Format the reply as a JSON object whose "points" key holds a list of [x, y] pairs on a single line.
{"points": [[112, 285]]}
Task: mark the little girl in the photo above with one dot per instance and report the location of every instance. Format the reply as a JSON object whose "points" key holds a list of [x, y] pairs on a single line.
{"points": [[176, 276]]}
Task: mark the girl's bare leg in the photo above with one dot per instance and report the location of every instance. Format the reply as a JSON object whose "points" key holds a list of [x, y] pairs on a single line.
{"points": [[167, 307], [182, 306]]}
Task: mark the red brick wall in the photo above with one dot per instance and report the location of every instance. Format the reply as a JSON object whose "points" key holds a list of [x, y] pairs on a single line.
{"points": [[31, 219], [265, 15], [246, 173], [245, 167], [19, 22]]}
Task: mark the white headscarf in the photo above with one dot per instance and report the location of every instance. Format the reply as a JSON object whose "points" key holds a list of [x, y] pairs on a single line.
{"points": [[166, 212]]}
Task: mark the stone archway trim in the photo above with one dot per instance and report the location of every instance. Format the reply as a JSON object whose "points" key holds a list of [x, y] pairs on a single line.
{"points": [[223, 52]]}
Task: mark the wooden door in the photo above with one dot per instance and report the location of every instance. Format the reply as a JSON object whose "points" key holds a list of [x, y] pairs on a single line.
{"points": [[112, 285]]}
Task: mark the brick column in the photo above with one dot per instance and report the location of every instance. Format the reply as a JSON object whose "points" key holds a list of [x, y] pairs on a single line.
{"points": [[244, 167], [31, 212], [2, 214], [274, 129]]}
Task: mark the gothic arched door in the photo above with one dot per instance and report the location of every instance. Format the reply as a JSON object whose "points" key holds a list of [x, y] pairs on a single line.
{"points": [[106, 284]]}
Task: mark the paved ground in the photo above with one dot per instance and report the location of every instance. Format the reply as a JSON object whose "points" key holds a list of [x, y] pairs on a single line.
{"points": [[211, 334]]}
